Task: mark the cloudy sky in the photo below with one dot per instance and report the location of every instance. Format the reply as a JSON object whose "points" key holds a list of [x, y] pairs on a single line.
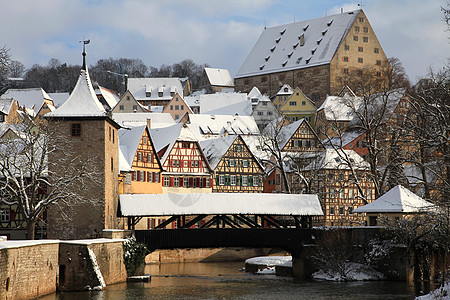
{"points": [[220, 33]]}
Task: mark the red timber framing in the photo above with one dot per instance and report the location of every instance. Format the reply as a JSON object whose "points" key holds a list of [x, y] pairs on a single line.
{"points": [[186, 167], [238, 171]]}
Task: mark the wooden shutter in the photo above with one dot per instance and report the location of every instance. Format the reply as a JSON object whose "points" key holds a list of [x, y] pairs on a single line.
{"points": [[181, 181], [171, 181]]}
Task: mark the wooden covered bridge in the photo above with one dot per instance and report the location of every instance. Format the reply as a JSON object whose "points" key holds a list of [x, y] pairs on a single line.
{"points": [[206, 220]]}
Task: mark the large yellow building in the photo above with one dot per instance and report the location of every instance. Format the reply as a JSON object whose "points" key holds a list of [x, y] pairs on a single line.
{"points": [[319, 56]]}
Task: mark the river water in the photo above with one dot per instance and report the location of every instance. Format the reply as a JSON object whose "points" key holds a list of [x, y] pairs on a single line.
{"points": [[226, 281]]}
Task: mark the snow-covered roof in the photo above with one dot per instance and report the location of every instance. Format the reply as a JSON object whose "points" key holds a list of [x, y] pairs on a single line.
{"points": [[337, 160], [110, 97], [137, 119], [254, 143], [284, 133], [129, 141], [347, 137], [340, 108], [82, 102], [59, 98], [397, 200], [297, 45], [285, 90], [219, 77], [124, 166], [215, 149], [167, 136], [204, 126], [219, 203], [225, 104], [5, 105], [379, 106], [30, 98], [139, 86]]}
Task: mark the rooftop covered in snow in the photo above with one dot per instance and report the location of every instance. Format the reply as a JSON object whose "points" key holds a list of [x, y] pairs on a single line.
{"points": [[135, 205], [219, 77], [397, 200], [297, 45]]}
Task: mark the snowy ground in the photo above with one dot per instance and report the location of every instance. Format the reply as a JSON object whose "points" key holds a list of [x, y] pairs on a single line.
{"points": [[354, 272], [441, 293], [270, 262]]}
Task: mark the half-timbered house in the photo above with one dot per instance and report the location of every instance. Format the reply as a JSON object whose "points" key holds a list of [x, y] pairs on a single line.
{"points": [[341, 189], [236, 169], [140, 168], [186, 169]]}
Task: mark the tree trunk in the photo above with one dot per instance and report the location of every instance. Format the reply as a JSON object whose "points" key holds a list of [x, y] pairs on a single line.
{"points": [[31, 225]]}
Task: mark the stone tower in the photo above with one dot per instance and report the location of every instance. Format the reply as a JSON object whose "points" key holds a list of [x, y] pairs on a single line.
{"points": [[91, 136]]}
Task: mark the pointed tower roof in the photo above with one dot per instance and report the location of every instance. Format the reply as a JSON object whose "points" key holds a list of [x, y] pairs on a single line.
{"points": [[83, 101]]}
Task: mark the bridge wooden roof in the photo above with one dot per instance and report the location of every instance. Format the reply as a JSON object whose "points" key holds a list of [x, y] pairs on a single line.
{"points": [[140, 205]]}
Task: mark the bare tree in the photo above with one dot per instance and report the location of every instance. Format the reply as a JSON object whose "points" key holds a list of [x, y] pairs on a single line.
{"points": [[26, 179], [271, 140], [428, 124], [16, 69]]}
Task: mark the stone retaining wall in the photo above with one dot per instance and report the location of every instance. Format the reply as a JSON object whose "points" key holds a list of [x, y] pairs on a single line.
{"points": [[28, 270], [31, 269]]}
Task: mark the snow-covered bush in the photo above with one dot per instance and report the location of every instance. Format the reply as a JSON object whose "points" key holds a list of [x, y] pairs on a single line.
{"points": [[133, 254]]}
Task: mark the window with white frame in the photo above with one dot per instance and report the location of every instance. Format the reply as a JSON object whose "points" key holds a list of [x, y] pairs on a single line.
{"points": [[256, 181], [233, 179], [232, 162], [156, 178], [128, 178], [4, 215], [166, 181], [221, 179], [149, 176], [245, 163], [244, 180], [176, 181], [141, 175]]}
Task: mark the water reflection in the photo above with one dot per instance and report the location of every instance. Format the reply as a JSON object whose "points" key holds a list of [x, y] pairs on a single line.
{"points": [[225, 281]]}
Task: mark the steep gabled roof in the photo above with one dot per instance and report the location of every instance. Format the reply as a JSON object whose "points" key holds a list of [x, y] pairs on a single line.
{"points": [[397, 200], [219, 77], [129, 141], [297, 45], [5, 105], [82, 102], [285, 132], [215, 149]]}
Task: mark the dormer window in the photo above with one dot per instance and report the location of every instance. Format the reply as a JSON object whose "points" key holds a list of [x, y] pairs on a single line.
{"points": [[147, 94], [313, 50], [278, 40], [284, 63], [318, 41], [160, 94], [295, 45], [298, 60], [283, 31], [261, 67], [290, 54], [302, 40], [306, 27], [267, 58], [330, 22], [286, 90], [273, 48], [324, 32]]}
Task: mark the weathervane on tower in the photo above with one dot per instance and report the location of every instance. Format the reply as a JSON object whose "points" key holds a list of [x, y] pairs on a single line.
{"points": [[85, 42]]}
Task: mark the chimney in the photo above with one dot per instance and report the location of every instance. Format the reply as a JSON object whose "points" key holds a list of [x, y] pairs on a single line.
{"points": [[149, 122]]}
